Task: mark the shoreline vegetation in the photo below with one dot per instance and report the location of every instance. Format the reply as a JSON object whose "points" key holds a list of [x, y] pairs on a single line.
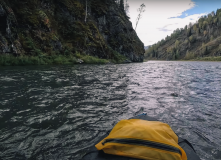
{"points": [[44, 59], [25, 60], [212, 59]]}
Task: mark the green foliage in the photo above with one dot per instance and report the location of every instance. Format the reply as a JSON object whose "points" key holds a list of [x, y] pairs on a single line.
{"points": [[78, 55], [197, 31], [188, 32], [115, 56], [177, 44], [190, 24], [195, 27], [210, 19], [68, 50], [44, 18], [30, 46], [167, 38], [218, 58], [122, 5], [205, 24], [171, 50], [204, 33], [90, 59], [177, 55], [218, 12], [200, 25], [93, 60], [204, 50], [192, 39], [162, 42], [59, 59], [99, 7], [189, 55], [10, 60], [186, 41], [215, 20], [175, 33], [118, 57], [75, 7], [201, 20], [33, 18], [220, 47]]}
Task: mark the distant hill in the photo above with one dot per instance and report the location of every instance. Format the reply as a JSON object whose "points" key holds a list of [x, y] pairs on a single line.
{"points": [[146, 47], [201, 39]]}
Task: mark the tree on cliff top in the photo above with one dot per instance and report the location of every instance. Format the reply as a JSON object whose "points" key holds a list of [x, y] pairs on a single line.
{"points": [[127, 8], [122, 5], [140, 10]]}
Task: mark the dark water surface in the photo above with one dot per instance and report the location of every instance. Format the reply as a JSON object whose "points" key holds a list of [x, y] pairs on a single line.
{"points": [[57, 112]]}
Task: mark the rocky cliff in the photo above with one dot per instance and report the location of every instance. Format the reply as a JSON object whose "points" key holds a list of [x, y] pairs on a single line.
{"points": [[98, 28]]}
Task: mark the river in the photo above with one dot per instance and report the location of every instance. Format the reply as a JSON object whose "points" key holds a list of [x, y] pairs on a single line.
{"points": [[58, 112]]}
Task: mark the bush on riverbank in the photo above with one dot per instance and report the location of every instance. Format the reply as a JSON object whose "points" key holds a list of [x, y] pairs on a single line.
{"points": [[10, 60], [116, 57], [90, 59], [189, 55], [218, 58]]}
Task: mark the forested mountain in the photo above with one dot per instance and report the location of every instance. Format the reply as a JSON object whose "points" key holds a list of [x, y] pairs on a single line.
{"points": [[98, 28], [146, 47], [201, 39]]}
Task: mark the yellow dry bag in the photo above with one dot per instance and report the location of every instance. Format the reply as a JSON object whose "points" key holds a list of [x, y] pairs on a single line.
{"points": [[136, 138]]}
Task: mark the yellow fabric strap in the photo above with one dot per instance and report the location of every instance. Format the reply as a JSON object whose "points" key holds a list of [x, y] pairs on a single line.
{"points": [[137, 129]]}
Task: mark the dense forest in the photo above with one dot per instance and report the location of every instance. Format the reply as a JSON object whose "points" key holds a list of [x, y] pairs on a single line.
{"points": [[194, 41], [67, 31]]}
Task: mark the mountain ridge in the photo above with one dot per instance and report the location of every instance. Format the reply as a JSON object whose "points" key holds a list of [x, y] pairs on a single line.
{"points": [[198, 40]]}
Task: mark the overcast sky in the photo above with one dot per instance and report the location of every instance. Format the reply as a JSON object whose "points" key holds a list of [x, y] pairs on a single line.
{"points": [[163, 16]]}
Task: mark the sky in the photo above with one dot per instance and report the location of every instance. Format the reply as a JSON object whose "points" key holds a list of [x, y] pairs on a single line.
{"points": [[162, 17]]}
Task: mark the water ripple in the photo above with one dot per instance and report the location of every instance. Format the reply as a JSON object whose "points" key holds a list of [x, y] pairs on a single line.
{"points": [[58, 112]]}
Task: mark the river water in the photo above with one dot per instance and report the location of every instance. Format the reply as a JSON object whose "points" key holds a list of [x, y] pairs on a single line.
{"points": [[58, 112]]}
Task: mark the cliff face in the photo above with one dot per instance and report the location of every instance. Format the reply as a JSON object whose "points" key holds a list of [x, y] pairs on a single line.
{"points": [[202, 39], [58, 27]]}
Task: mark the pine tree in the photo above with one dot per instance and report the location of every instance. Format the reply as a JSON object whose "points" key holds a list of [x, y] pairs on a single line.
{"points": [[140, 10], [127, 7], [122, 5]]}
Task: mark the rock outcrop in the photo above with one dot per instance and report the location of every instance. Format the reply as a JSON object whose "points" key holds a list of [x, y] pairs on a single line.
{"points": [[64, 27]]}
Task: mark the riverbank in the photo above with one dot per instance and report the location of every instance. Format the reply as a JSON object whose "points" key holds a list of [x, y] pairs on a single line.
{"points": [[43, 59], [218, 58]]}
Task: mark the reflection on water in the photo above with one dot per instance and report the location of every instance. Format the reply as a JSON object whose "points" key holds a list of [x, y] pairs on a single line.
{"points": [[57, 112]]}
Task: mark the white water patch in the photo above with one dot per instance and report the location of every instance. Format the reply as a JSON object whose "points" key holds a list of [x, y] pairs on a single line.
{"points": [[9, 79], [3, 110], [27, 110]]}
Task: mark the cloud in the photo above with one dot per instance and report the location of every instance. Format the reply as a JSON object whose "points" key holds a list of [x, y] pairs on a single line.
{"points": [[164, 29], [156, 23]]}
